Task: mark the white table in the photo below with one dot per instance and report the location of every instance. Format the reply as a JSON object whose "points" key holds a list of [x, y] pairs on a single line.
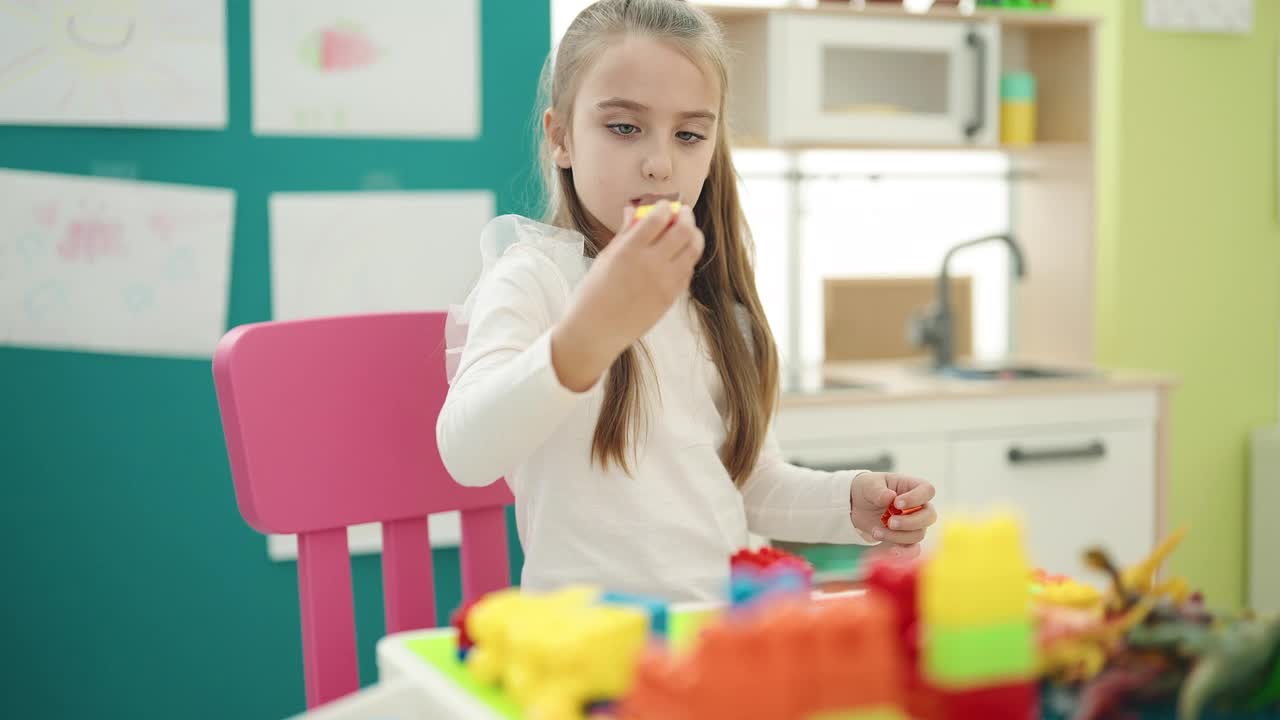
{"points": [[410, 688]]}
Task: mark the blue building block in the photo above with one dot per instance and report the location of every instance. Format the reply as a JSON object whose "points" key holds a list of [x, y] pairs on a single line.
{"points": [[656, 609], [747, 585]]}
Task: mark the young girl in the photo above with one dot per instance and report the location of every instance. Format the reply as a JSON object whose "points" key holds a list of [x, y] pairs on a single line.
{"points": [[622, 377]]}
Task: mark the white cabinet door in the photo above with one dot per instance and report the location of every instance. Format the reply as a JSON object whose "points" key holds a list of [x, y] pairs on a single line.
{"points": [[1075, 487], [859, 80]]}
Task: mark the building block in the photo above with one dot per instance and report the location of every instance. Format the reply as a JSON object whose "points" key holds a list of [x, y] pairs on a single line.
{"points": [[458, 621], [786, 660], [978, 576], [973, 656], [684, 628], [1017, 701], [889, 713], [555, 653], [894, 510], [897, 581], [767, 573], [643, 210], [655, 608], [748, 585], [767, 558]]}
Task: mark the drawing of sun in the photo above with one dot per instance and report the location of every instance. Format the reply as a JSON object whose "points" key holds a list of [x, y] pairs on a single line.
{"points": [[115, 62]]}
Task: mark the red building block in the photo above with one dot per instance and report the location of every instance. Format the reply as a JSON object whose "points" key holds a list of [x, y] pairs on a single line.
{"points": [[1003, 702]]}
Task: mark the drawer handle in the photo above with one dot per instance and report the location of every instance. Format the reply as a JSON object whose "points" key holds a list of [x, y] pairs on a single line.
{"points": [[881, 463], [1091, 451], [979, 44]]}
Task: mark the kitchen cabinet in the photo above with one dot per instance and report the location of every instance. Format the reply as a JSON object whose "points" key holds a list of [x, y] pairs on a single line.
{"points": [[1080, 461]]}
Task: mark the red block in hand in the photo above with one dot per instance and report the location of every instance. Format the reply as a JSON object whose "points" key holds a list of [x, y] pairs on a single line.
{"points": [[893, 510]]}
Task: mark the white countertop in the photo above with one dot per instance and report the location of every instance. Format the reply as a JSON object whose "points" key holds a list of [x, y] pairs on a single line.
{"points": [[887, 382]]}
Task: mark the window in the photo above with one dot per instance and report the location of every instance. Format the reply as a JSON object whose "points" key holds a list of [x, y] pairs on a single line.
{"points": [[877, 213]]}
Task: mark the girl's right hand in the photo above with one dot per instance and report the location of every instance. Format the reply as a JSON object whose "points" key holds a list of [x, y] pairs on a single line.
{"points": [[633, 282]]}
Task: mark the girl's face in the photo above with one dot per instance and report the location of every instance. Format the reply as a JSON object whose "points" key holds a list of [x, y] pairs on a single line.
{"points": [[643, 129]]}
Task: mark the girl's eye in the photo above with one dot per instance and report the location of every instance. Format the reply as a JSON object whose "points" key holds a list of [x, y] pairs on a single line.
{"points": [[690, 137], [624, 129]]}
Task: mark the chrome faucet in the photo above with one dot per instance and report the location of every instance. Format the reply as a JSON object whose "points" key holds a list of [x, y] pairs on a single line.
{"points": [[934, 328]]}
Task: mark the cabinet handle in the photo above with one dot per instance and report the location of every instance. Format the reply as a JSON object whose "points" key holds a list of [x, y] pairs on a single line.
{"points": [[881, 463], [1090, 451], [976, 41]]}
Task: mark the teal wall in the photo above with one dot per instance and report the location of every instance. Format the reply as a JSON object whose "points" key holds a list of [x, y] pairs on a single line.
{"points": [[132, 587]]}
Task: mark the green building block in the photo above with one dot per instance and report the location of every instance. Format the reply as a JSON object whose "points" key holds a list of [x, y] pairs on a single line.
{"points": [[965, 657]]}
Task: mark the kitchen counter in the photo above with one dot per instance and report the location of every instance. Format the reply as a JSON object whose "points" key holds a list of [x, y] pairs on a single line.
{"points": [[877, 383], [1048, 446]]}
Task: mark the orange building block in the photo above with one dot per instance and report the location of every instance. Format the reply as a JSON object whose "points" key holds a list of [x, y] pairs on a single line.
{"points": [[786, 661]]}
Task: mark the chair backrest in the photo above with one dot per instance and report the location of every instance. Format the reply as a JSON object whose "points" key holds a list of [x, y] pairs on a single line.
{"points": [[329, 423]]}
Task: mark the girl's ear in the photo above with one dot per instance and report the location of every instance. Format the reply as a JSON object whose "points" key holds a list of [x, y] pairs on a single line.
{"points": [[557, 140]]}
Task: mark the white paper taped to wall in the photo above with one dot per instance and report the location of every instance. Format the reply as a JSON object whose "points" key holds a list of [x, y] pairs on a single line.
{"points": [[402, 68], [1229, 16], [154, 63], [341, 253], [113, 265]]}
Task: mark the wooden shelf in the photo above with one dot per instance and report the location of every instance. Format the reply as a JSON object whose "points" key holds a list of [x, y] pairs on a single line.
{"points": [[1010, 18]]}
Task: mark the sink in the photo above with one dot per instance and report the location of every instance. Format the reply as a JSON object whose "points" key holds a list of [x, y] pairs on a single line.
{"points": [[833, 384], [828, 385], [1011, 372], [813, 383]]}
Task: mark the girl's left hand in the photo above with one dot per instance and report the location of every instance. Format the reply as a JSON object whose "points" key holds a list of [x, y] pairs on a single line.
{"points": [[870, 496]]}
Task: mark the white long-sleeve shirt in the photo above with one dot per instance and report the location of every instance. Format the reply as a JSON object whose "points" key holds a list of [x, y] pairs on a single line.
{"points": [[669, 528]]}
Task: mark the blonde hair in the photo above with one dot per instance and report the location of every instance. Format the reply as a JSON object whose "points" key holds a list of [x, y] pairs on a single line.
{"points": [[723, 287]]}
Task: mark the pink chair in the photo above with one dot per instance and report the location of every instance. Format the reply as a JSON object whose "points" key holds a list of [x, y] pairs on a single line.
{"points": [[330, 423]]}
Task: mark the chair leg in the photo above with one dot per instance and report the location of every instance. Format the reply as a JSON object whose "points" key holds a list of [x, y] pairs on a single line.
{"points": [[407, 587], [485, 566], [328, 616]]}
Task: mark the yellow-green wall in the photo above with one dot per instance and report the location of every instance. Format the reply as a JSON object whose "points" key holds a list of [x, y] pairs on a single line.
{"points": [[1189, 255]]}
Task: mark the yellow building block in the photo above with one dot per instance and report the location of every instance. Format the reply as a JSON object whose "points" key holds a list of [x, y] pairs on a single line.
{"points": [[493, 620], [593, 654], [646, 209], [553, 653], [978, 576]]}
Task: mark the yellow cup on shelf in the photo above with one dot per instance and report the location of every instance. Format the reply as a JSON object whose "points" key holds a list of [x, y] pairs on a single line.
{"points": [[1017, 108]]}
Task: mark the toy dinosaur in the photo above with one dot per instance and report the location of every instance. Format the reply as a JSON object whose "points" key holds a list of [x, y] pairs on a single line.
{"points": [[1078, 637], [1239, 661], [1140, 578], [1156, 641], [1074, 647], [1130, 585]]}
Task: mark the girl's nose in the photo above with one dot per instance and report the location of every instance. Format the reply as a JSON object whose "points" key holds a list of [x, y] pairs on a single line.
{"points": [[657, 166]]}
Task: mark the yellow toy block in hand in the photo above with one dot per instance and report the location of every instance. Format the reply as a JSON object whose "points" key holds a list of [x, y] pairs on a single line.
{"points": [[643, 210]]}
